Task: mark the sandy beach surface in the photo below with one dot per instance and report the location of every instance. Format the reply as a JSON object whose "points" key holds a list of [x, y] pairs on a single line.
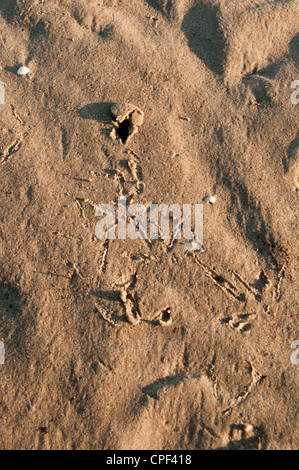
{"points": [[141, 344]]}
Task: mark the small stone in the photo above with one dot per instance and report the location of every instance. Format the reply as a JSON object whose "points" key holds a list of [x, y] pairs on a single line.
{"points": [[23, 70], [210, 199]]}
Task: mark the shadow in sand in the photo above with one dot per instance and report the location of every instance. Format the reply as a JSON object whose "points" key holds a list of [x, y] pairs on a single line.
{"points": [[260, 87], [291, 153], [112, 296], [293, 54], [205, 37], [97, 111], [248, 214], [245, 444], [13, 69], [256, 442], [294, 48], [153, 389], [158, 4], [38, 30], [16, 328], [8, 8]]}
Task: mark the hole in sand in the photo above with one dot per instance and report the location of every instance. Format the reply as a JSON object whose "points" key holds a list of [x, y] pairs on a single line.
{"points": [[165, 317], [126, 118], [124, 130]]}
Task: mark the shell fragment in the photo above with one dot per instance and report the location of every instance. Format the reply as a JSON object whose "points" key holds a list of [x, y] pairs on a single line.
{"points": [[210, 199], [23, 70]]}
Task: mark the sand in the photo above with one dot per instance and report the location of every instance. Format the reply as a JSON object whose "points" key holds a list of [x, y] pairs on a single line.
{"points": [[213, 79]]}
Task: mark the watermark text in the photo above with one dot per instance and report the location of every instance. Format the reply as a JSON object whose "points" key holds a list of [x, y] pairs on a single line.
{"points": [[295, 355], [295, 94], [155, 222], [2, 93], [2, 353]]}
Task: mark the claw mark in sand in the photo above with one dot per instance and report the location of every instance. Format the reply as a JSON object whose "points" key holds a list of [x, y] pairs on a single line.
{"points": [[15, 114], [129, 300], [256, 378], [280, 278], [67, 236], [131, 308], [238, 323], [64, 143], [256, 295], [102, 267], [79, 203], [227, 287], [12, 149], [136, 172]]}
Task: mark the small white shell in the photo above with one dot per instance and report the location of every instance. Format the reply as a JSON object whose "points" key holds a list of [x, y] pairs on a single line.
{"points": [[210, 199], [23, 70]]}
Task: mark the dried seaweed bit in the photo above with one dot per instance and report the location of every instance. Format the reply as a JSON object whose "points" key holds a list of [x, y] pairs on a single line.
{"points": [[126, 118]]}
